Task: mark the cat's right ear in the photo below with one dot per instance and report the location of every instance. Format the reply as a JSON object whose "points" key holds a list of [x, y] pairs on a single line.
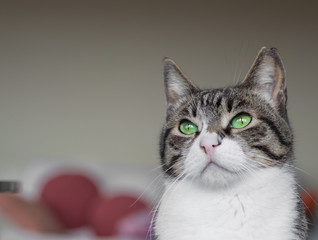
{"points": [[266, 77], [177, 84]]}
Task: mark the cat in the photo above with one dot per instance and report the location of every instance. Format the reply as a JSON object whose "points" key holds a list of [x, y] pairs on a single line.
{"points": [[227, 155]]}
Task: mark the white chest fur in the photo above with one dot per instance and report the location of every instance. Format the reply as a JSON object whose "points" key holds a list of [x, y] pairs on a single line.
{"points": [[260, 207]]}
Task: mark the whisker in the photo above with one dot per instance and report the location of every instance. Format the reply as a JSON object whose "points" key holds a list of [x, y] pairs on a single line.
{"points": [[175, 182], [305, 172], [289, 165], [305, 205], [151, 183], [305, 191]]}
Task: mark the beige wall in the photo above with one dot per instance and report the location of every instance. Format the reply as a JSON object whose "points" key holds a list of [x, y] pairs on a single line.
{"points": [[82, 80]]}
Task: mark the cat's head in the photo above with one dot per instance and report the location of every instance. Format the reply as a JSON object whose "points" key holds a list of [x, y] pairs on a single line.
{"points": [[220, 136]]}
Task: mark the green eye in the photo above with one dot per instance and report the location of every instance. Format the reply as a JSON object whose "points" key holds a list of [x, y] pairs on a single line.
{"points": [[188, 127], [241, 120]]}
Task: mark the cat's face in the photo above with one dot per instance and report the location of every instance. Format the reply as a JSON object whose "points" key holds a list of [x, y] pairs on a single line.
{"points": [[220, 136]]}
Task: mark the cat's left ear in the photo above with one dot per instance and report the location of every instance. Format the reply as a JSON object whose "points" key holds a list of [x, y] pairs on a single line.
{"points": [[267, 78], [177, 84]]}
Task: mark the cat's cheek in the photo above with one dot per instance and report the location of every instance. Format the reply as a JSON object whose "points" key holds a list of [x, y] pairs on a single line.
{"points": [[195, 161], [231, 156]]}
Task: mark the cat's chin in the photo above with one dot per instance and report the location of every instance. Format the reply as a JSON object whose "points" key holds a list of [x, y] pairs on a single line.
{"points": [[215, 176]]}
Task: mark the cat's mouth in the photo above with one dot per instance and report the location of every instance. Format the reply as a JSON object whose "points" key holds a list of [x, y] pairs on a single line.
{"points": [[212, 163]]}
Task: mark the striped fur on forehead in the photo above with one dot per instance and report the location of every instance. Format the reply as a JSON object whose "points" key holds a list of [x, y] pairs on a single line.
{"points": [[225, 99], [214, 97]]}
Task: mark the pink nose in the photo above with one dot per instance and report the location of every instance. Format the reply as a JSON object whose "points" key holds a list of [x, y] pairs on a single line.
{"points": [[209, 142]]}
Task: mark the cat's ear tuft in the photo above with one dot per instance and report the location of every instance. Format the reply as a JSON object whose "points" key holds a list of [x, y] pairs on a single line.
{"points": [[177, 84], [267, 78]]}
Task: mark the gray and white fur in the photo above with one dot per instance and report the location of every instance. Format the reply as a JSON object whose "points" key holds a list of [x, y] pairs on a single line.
{"points": [[246, 188]]}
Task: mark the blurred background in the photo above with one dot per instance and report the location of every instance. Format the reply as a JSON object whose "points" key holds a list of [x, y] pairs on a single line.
{"points": [[82, 80]]}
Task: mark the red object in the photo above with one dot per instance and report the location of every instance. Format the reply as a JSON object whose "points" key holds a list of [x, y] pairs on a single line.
{"points": [[70, 196], [310, 201], [108, 212], [72, 200], [33, 216]]}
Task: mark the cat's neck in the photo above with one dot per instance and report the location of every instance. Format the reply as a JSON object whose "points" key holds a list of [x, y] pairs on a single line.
{"points": [[266, 198]]}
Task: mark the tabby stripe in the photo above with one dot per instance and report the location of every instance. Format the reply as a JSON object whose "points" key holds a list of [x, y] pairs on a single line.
{"points": [[218, 102], [222, 135], [185, 112], [203, 99], [211, 98], [241, 103], [274, 129], [230, 104], [163, 147], [173, 161], [194, 109], [227, 130], [226, 92], [268, 152], [256, 131], [171, 144], [299, 222]]}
